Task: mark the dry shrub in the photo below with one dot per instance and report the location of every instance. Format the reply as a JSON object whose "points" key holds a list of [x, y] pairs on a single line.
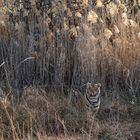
{"points": [[45, 44], [68, 49], [55, 113], [114, 130], [45, 110], [39, 113]]}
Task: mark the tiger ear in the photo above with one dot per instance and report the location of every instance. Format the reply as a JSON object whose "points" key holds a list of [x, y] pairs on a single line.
{"points": [[88, 84], [98, 85]]}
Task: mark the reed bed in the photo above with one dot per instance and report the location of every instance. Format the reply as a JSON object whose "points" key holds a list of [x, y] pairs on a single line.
{"points": [[49, 47]]}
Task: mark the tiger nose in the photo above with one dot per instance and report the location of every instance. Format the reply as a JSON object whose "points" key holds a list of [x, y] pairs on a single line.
{"points": [[90, 95]]}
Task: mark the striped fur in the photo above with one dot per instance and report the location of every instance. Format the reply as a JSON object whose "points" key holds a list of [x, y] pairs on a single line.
{"points": [[90, 101], [92, 97]]}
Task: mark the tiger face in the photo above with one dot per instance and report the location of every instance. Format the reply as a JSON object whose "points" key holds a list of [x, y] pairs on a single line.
{"points": [[93, 89]]}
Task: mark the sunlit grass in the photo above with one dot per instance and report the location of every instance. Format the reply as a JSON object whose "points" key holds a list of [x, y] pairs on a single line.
{"points": [[60, 45]]}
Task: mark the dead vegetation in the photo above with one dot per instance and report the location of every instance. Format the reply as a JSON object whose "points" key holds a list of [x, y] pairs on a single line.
{"points": [[63, 44], [40, 114]]}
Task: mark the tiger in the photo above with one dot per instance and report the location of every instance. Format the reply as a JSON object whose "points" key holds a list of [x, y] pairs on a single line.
{"points": [[88, 102]]}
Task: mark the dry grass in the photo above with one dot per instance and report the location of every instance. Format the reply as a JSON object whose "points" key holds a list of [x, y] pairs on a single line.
{"points": [[41, 115], [62, 45]]}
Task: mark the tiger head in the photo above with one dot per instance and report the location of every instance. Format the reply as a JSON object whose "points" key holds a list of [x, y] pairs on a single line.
{"points": [[93, 89]]}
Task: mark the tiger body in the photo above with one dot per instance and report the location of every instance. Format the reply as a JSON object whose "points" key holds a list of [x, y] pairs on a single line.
{"points": [[89, 102]]}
